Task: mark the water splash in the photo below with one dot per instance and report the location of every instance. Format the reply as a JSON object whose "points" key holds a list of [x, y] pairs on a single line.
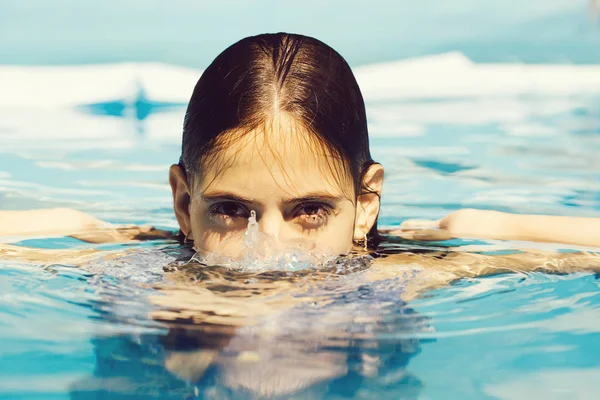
{"points": [[258, 251], [252, 231]]}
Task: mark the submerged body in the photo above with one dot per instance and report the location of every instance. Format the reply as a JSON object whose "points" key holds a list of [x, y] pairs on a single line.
{"points": [[272, 333]]}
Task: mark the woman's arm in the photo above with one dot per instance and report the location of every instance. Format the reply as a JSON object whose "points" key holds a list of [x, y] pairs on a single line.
{"points": [[435, 271], [64, 222], [482, 224], [47, 222], [47, 256], [69, 222]]}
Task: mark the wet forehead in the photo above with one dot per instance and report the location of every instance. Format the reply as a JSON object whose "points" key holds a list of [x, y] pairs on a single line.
{"points": [[283, 161]]}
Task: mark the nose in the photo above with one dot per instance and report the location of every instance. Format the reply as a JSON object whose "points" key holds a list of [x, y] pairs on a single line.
{"points": [[270, 223]]}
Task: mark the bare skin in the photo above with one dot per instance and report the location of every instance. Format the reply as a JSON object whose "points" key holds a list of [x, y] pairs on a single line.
{"points": [[482, 224], [64, 222]]}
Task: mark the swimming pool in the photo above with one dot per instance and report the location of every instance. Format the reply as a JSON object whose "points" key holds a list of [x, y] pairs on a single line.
{"points": [[450, 133]]}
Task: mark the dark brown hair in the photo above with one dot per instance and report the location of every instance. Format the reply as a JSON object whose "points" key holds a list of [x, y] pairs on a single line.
{"points": [[298, 75]]}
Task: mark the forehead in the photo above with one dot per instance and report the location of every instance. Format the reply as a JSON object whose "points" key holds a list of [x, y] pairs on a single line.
{"points": [[279, 157]]}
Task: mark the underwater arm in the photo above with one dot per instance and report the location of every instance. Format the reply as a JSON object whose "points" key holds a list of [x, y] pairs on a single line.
{"points": [[473, 264], [484, 224], [438, 270], [27, 254], [68, 222]]}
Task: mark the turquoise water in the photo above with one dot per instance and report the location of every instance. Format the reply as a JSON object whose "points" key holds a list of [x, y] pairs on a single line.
{"points": [[85, 333]]}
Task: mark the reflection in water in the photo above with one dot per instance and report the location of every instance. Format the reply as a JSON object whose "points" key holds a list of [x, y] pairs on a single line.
{"points": [[225, 334], [139, 107]]}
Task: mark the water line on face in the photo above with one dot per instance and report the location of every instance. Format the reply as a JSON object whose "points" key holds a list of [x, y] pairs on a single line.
{"points": [[255, 251]]}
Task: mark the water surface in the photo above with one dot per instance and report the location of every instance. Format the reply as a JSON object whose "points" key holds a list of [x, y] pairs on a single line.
{"points": [[111, 330]]}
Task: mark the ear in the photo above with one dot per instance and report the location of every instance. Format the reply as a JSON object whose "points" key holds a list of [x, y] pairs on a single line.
{"points": [[367, 204], [181, 199]]}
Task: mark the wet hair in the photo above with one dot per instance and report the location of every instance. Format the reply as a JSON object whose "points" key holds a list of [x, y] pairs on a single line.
{"points": [[261, 76]]}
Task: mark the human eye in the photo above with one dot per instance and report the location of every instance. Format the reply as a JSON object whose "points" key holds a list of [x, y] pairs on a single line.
{"points": [[312, 215], [229, 213]]}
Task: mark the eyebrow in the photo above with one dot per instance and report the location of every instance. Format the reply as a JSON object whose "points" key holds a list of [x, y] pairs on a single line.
{"points": [[224, 196], [317, 196], [314, 197]]}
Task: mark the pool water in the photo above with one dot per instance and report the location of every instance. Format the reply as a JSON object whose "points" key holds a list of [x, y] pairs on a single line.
{"points": [[450, 134]]}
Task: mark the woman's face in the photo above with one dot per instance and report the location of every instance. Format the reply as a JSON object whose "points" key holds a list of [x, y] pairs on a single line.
{"points": [[296, 188]]}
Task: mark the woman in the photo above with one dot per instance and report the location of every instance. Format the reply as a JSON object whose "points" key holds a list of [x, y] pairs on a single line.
{"points": [[276, 125]]}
